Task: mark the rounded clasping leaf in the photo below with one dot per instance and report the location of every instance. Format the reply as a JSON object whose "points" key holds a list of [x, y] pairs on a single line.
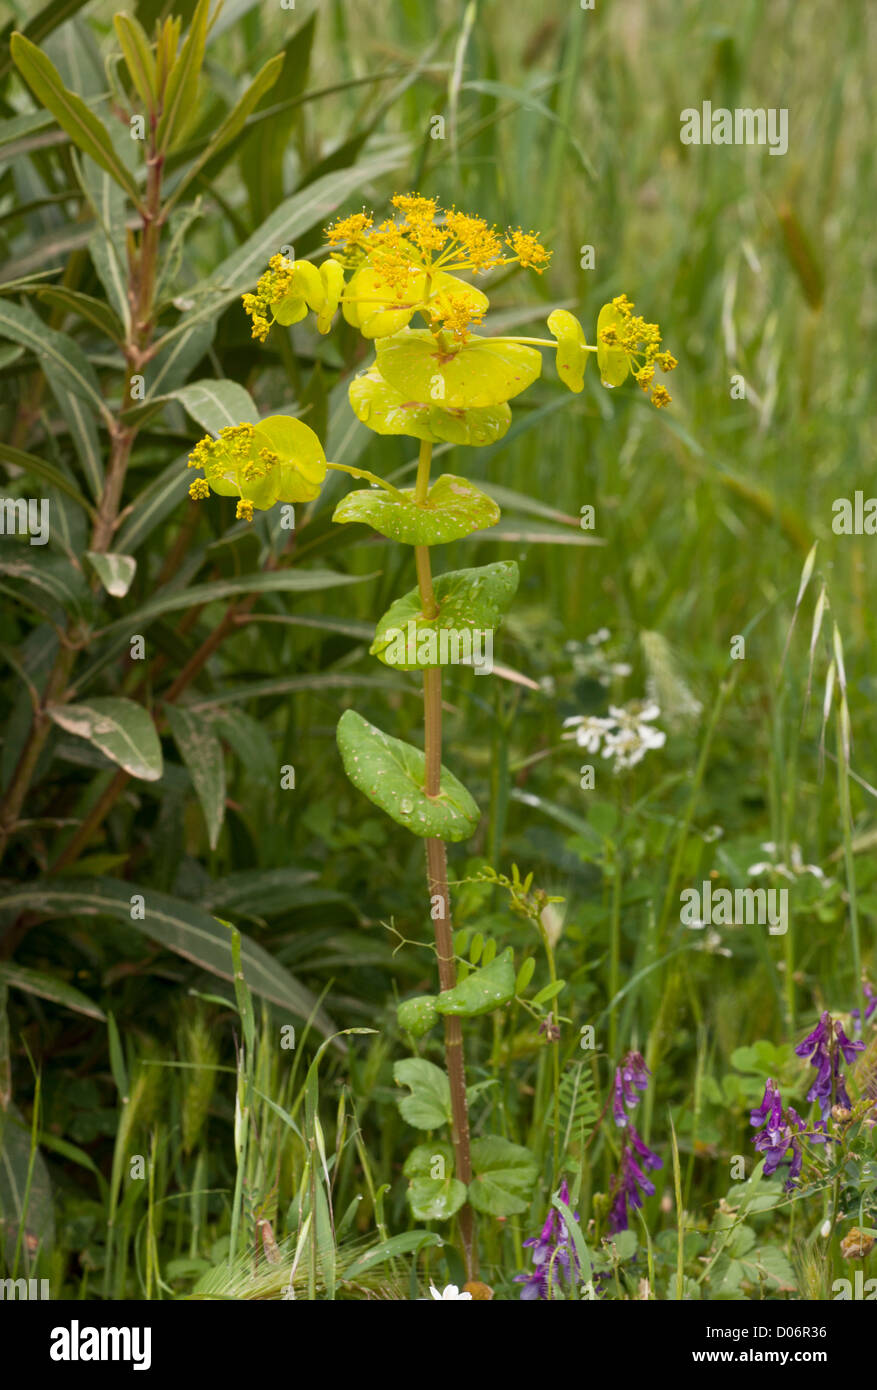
{"points": [[392, 775], [454, 508], [475, 373], [386, 410]]}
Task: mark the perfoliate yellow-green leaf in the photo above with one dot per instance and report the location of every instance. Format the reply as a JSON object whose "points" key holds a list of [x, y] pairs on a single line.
{"points": [[478, 372], [572, 356], [453, 508], [612, 361], [386, 410]]}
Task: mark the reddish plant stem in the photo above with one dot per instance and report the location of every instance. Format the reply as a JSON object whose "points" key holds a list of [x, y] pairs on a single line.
{"points": [[440, 899]]}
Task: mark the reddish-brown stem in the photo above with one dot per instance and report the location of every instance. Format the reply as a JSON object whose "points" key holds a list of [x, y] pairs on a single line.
{"points": [[439, 896]]}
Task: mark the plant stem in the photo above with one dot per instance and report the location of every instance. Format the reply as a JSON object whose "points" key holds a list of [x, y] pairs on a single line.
{"points": [[437, 885]]}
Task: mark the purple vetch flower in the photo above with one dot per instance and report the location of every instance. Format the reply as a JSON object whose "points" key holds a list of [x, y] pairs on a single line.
{"points": [[826, 1046], [781, 1131], [871, 996], [632, 1076], [631, 1184], [553, 1254]]}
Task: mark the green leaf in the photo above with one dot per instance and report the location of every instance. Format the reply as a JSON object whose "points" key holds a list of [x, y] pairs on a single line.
{"points": [[470, 601], [25, 1193], [182, 927], [86, 306], [482, 991], [572, 356], [262, 582], [49, 574], [525, 975], [409, 1242], [387, 410], [48, 987], [613, 363], [454, 508], [430, 1198], [233, 123], [217, 403], [181, 93], [40, 468], [56, 352], [71, 112], [417, 1015], [201, 751], [624, 1245], [477, 373], [122, 730], [115, 572], [504, 1174], [428, 1104], [296, 215], [392, 774], [138, 55]]}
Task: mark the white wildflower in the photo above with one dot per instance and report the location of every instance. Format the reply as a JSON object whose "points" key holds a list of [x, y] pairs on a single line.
{"points": [[449, 1292], [625, 736]]}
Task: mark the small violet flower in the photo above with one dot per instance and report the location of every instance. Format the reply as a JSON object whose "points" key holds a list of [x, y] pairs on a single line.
{"points": [[630, 1184], [553, 1254]]}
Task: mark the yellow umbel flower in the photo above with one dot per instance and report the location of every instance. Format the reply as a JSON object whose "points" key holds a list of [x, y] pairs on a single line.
{"points": [[408, 265], [278, 460], [627, 343]]}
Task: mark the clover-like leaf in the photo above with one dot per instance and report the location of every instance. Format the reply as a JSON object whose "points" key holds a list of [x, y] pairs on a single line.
{"points": [[434, 1194], [572, 354], [482, 991], [504, 1174], [428, 1104], [453, 508], [471, 603], [612, 361], [386, 410], [417, 1015], [478, 372], [392, 775]]}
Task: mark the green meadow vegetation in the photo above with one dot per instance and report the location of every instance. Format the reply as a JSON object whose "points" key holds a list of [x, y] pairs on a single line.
{"points": [[325, 976]]}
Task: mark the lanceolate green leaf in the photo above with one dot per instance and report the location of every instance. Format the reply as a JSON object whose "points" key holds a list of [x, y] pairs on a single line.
{"points": [[392, 774], [70, 111], [471, 602], [48, 987], [234, 122], [47, 472], [201, 751], [454, 508], [138, 55], [271, 581], [114, 571], [180, 926], [182, 86], [216, 404], [121, 729]]}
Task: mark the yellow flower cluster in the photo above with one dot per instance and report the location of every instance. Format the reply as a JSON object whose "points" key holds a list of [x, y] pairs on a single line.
{"points": [[288, 289], [641, 342], [412, 261], [230, 462]]}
